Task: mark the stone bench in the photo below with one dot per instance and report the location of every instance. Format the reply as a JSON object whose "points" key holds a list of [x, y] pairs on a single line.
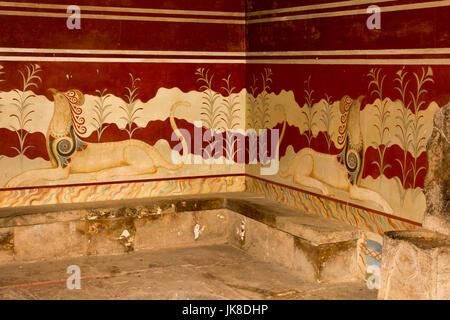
{"points": [[320, 249]]}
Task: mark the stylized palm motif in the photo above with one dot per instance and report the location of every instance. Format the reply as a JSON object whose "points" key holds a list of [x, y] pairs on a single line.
{"points": [[253, 105], [211, 109], [23, 105], [382, 116], [404, 122], [309, 113], [252, 111], [229, 117], [327, 118], [263, 107], [130, 109], [101, 113], [418, 138]]}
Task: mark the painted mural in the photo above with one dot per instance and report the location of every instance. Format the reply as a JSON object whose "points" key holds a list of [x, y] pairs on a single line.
{"points": [[67, 136], [320, 53], [358, 158], [113, 111], [368, 149]]}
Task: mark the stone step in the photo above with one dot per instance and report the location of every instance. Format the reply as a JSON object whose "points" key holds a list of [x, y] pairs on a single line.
{"points": [[299, 223], [321, 249], [61, 231], [188, 273]]}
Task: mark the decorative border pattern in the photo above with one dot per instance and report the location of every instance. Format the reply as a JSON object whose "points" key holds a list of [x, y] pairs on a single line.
{"points": [[372, 224], [128, 190], [368, 221], [362, 218]]}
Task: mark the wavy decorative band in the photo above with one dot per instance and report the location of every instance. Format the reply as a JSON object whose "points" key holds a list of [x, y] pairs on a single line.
{"points": [[16, 197], [352, 214], [20, 197]]}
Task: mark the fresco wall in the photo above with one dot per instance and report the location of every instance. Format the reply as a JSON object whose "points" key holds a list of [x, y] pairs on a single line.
{"points": [[122, 107], [96, 113], [359, 108]]}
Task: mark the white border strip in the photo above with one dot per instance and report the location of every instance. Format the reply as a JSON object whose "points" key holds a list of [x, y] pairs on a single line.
{"points": [[354, 61], [328, 5], [124, 9], [425, 61], [118, 60], [120, 17], [402, 7], [425, 51], [349, 52], [123, 52], [212, 14]]}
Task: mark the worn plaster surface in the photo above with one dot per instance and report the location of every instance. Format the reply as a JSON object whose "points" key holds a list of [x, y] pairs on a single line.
{"points": [[201, 272]]}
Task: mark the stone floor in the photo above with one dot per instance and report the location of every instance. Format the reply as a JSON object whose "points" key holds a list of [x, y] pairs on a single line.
{"points": [[202, 272]]}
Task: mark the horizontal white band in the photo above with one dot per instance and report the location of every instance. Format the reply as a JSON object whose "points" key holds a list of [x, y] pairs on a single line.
{"points": [[412, 51], [425, 61]]}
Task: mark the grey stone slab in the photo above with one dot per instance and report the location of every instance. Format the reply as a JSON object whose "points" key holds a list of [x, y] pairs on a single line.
{"points": [[50, 241], [201, 272], [315, 229], [414, 265]]}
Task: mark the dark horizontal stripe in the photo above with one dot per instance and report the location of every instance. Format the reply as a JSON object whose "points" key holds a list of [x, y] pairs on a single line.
{"points": [[289, 12], [202, 5], [262, 5], [354, 56], [4, 11], [426, 28], [289, 7], [415, 28], [120, 35]]}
